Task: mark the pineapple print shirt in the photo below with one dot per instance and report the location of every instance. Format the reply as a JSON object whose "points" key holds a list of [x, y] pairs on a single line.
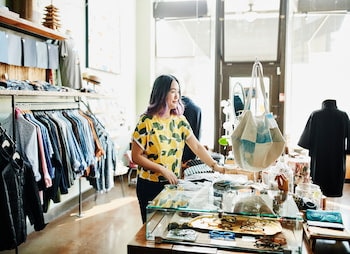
{"points": [[163, 141]]}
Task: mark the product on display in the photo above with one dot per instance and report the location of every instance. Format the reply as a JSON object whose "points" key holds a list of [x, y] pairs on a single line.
{"points": [[257, 142]]}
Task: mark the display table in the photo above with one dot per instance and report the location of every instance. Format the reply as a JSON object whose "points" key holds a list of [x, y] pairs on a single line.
{"points": [[139, 245], [218, 217]]}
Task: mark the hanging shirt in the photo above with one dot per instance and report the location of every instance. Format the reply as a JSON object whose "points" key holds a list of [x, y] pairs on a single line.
{"points": [[27, 142]]}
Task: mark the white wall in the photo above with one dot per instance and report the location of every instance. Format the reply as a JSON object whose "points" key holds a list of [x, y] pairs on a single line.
{"points": [[120, 118], [145, 54]]}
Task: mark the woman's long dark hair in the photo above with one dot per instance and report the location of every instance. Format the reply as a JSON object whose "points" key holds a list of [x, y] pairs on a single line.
{"points": [[157, 101]]}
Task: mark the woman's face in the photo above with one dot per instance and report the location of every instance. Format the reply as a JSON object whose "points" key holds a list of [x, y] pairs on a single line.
{"points": [[173, 95]]}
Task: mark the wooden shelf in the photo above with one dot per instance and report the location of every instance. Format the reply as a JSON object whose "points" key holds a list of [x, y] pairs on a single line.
{"points": [[22, 25]]}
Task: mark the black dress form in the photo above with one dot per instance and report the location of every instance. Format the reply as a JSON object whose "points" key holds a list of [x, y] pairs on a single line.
{"points": [[326, 136]]}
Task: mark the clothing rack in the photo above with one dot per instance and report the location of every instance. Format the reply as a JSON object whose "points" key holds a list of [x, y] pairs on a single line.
{"points": [[50, 101], [47, 105], [90, 111]]}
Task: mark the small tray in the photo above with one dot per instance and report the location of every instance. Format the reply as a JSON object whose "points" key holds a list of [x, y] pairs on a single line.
{"points": [[238, 224]]}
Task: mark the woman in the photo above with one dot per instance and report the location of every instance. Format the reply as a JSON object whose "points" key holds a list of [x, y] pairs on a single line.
{"points": [[159, 139]]}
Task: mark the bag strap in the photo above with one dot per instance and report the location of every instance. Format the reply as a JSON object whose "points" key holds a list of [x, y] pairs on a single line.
{"points": [[257, 75]]}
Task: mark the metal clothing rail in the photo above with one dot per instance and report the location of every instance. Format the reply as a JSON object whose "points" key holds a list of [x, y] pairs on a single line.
{"points": [[47, 105]]}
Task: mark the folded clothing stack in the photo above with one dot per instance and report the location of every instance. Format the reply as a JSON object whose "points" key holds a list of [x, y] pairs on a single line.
{"points": [[325, 219]]}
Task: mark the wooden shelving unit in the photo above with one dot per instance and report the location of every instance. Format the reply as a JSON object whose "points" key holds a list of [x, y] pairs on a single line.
{"points": [[8, 20], [13, 22]]}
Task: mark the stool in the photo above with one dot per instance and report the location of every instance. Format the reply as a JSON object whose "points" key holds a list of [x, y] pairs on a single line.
{"points": [[132, 168], [312, 234], [120, 171]]}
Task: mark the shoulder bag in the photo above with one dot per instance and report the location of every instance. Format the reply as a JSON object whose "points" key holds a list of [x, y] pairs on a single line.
{"points": [[257, 142]]}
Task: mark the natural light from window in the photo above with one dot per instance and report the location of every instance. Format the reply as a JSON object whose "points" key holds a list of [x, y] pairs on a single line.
{"points": [[318, 67]]}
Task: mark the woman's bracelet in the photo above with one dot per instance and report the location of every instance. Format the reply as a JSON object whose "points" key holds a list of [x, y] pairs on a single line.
{"points": [[213, 167]]}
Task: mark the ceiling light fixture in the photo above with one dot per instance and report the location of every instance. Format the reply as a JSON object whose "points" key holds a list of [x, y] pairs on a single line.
{"points": [[250, 15]]}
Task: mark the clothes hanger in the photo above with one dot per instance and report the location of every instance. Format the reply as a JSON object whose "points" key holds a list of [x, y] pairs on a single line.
{"points": [[7, 145]]}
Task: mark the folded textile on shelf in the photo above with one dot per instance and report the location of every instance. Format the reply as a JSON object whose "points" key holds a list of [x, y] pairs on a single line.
{"points": [[325, 219]]}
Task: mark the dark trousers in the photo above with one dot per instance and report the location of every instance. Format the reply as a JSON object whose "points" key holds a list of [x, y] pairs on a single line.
{"points": [[146, 191]]}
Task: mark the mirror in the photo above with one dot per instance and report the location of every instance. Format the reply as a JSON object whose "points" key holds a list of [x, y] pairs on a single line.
{"points": [[238, 99], [239, 86], [232, 108]]}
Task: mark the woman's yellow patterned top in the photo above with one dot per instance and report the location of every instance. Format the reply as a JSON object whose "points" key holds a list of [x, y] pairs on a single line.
{"points": [[163, 141]]}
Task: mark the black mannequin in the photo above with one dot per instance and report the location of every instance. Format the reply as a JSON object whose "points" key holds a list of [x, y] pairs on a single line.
{"points": [[325, 136]]}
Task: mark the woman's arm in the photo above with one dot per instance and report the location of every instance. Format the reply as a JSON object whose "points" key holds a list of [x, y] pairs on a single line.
{"points": [[140, 159], [203, 154]]}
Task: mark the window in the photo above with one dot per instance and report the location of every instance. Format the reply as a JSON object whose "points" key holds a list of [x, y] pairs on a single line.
{"points": [[251, 30], [184, 48], [318, 62], [103, 34]]}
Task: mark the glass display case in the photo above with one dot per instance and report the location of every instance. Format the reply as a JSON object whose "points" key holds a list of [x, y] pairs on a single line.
{"points": [[225, 215]]}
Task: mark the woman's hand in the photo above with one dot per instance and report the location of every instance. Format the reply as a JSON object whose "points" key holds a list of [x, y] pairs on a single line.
{"points": [[170, 176], [203, 154], [282, 182]]}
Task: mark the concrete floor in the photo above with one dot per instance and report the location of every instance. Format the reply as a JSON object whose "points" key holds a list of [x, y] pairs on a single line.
{"points": [[109, 221]]}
